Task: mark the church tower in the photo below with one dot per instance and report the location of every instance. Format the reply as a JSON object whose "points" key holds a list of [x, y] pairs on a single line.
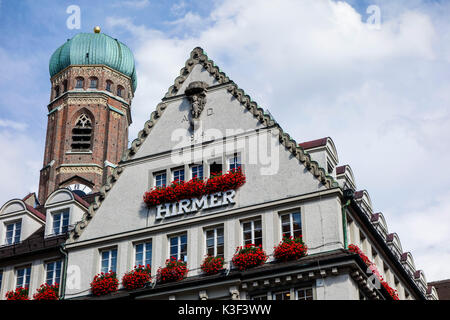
{"points": [[93, 80]]}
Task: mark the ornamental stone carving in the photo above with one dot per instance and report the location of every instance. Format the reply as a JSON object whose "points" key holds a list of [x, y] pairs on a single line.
{"points": [[196, 93]]}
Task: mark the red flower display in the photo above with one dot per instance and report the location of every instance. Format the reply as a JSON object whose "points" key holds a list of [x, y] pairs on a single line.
{"points": [[18, 294], [249, 256], [174, 270], [212, 265], [290, 248], [137, 278], [392, 292], [104, 283], [47, 292], [194, 188]]}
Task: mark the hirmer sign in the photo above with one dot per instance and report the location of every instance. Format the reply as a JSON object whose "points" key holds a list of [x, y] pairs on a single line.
{"points": [[213, 200]]}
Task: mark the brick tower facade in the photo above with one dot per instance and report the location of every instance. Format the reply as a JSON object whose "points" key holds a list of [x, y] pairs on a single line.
{"points": [[87, 131]]}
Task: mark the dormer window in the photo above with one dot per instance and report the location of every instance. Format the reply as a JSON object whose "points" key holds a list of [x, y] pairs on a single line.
{"points": [[94, 83], [13, 232], [81, 133], [80, 83], [61, 222]]}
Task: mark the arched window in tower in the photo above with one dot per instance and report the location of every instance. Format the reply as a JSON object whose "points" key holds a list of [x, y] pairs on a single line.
{"points": [[80, 83], [94, 83], [57, 91], [82, 133], [109, 85], [64, 85], [120, 91]]}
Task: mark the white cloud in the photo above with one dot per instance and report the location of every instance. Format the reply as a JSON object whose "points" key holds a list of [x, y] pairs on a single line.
{"points": [[13, 124], [382, 95], [137, 4]]}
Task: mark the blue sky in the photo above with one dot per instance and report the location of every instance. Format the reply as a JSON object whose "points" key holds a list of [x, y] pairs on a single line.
{"points": [[382, 94]]}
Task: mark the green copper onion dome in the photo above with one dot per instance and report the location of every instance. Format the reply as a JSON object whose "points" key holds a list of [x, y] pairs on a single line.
{"points": [[94, 48]]}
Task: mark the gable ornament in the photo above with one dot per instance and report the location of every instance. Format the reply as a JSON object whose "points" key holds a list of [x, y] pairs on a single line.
{"points": [[196, 94]]}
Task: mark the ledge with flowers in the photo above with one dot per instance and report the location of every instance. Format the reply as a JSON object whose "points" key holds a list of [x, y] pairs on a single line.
{"points": [[44, 292]]}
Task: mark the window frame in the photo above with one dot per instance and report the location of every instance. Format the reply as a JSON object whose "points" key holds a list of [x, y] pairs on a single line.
{"points": [[144, 243], [252, 230], [91, 81], [174, 170], [79, 80], [290, 213], [179, 244], [155, 178], [215, 246], [14, 235], [61, 212], [191, 170], [26, 276], [296, 290], [110, 259], [236, 156], [55, 275]]}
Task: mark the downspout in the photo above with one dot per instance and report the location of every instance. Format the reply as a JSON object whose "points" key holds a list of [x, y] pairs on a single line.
{"points": [[62, 249], [348, 194]]}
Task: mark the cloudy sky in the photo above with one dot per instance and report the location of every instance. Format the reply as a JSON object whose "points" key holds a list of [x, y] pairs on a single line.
{"points": [[379, 87]]}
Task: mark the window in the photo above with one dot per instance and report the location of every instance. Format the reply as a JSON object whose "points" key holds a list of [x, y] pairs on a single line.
{"points": [[109, 260], [13, 232], [57, 91], [214, 242], [65, 85], [109, 85], [82, 133], [93, 83], [215, 168], [260, 297], [160, 179], [178, 174], [120, 91], [305, 294], [282, 295], [143, 254], [53, 272], [1, 279], [80, 83], [291, 225], [197, 171], [330, 168], [234, 162], [23, 277], [61, 222], [178, 247], [252, 232]]}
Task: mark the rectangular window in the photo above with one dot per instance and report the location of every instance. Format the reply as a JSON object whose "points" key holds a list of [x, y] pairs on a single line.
{"points": [[13, 232], [215, 168], [160, 179], [215, 242], [252, 232], [109, 260], [23, 276], [143, 254], [61, 222], [282, 295], [305, 294], [79, 83], [197, 171], [178, 174], [178, 247], [234, 162], [1, 279], [53, 272], [291, 225]]}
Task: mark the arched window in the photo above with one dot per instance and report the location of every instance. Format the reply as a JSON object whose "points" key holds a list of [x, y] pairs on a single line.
{"points": [[65, 85], [82, 133], [57, 91], [109, 85], [80, 83], [120, 91], [94, 83]]}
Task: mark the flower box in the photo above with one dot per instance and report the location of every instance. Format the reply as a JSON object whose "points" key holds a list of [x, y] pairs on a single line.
{"points": [[392, 292], [47, 292], [249, 256], [104, 283], [212, 265], [18, 294], [175, 270], [137, 278], [289, 249], [194, 188]]}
